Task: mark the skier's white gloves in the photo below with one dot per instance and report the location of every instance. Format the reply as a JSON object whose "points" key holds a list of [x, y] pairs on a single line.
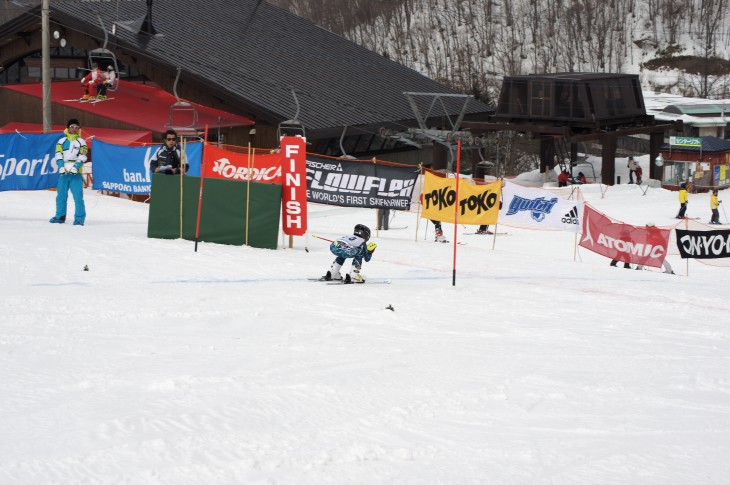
{"points": [[62, 170]]}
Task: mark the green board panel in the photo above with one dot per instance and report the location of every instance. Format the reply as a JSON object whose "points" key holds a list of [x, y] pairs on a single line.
{"points": [[224, 211]]}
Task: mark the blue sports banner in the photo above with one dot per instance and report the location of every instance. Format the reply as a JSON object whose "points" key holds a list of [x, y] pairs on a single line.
{"points": [[26, 161], [126, 169]]}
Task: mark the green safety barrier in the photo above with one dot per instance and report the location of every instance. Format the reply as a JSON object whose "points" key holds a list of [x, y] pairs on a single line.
{"points": [[223, 215]]}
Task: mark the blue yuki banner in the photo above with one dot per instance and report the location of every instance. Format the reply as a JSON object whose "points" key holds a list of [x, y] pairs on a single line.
{"points": [[26, 161], [120, 168]]}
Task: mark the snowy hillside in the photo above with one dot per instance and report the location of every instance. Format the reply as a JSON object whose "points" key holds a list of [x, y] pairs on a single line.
{"points": [[677, 47], [160, 365]]}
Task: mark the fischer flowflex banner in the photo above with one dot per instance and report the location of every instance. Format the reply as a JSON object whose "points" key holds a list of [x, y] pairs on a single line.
{"points": [[294, 185], [539, 209], [477, 204], [126, 169], [703, 244], [26, 161], [645, 245], [351, 183], [257, 167]]}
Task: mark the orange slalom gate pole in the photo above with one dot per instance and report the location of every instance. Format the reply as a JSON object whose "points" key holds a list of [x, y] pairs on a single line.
{"points": [[200, 194]]}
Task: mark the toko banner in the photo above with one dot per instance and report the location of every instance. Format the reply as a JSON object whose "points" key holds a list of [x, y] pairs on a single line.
{"points": [[539, 209], [645, 245], [354, 183], [126, 169], [477, 204], [26, 161]]}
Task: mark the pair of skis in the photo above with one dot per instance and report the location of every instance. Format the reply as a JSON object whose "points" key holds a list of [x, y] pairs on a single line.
{"points": [[89, 100], [343, 282]]}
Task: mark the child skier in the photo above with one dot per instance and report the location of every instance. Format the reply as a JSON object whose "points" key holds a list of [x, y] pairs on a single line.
{"points": [[714, 204], [356, 247]]}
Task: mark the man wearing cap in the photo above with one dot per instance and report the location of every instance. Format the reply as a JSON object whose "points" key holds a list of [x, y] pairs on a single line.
{"points": [[70, 156]]}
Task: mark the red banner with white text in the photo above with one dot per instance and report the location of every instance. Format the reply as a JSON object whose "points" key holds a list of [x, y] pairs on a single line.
{"points": [[294, 181], [645, 245], [225, 164]]}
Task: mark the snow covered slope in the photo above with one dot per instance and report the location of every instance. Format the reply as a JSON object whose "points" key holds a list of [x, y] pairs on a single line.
{"points": [[160, 365]]}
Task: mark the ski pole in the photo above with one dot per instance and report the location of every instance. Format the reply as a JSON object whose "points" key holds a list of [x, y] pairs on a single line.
{"points": [[724, 213], [322, 238]]}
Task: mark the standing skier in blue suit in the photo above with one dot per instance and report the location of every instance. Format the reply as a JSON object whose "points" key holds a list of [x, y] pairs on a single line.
{"points": [[70, 156]]}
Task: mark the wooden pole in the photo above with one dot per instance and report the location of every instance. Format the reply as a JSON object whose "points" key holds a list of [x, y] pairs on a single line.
{"points": [[248, 188]]}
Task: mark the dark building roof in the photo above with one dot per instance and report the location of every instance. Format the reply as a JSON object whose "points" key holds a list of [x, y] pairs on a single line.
{"points": [[252, 53], [582, 99]]}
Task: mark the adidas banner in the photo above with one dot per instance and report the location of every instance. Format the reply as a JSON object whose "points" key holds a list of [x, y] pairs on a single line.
{"points": [[477, 204], [703, 244], [126, 169], [353, 183], [645, 245], [539, 209]]}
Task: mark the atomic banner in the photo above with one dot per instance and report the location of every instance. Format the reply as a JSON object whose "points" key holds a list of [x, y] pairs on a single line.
{"points": [[645, 245], [477, 204]]}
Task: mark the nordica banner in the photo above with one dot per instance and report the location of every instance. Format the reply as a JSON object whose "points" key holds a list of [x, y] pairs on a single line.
{"points": [[26, 161], [352, 183], [703, 244], [126, 169]]}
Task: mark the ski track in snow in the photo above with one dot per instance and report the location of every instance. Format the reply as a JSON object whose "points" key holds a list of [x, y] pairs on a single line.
{"points": [[160, 365]]}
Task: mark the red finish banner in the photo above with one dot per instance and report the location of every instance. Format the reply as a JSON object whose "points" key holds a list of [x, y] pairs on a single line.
{"points": [[294, 193], [645, 245], [225, 164]]}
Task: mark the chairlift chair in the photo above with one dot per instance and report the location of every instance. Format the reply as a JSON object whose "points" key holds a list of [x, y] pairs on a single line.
{"points": [[183, 109], [183, 118], [105, 58], [290, 128]]}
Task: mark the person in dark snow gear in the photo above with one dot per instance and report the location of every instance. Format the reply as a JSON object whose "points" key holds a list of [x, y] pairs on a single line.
{"points": [[166, 158]]}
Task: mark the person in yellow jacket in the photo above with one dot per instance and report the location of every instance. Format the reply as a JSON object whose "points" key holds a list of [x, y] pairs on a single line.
{"points": [[682, 200], [714, 204]]}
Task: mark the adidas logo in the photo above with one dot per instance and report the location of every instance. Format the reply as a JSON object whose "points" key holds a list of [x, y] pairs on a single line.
{"points": [[571, 217]]}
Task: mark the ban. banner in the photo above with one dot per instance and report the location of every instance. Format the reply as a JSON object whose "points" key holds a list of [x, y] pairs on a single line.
{"points": [[352, 183], [477, 204], [26, 161], [703, 244], [645, 245], [120, 168], [262, 167], [539, 209]]}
